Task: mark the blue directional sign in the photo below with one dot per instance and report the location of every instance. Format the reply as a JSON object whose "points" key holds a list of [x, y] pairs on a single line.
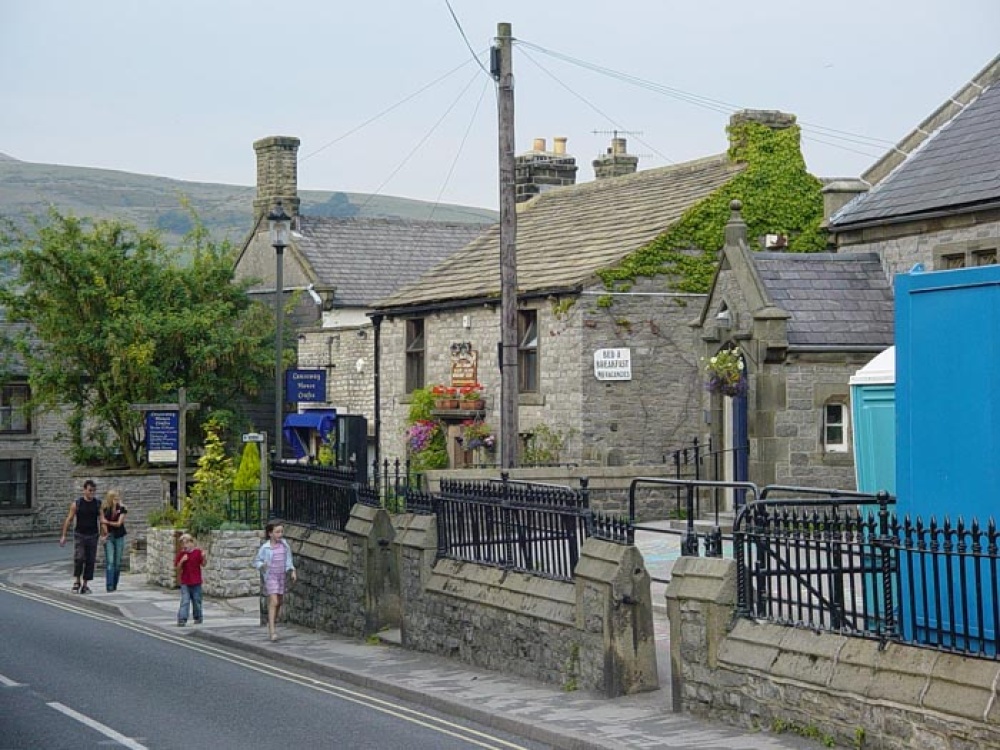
{"points": [[305, 385], [162, 437]]}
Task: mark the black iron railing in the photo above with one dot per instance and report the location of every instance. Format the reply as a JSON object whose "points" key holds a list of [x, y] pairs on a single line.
{"points": [[822, 559], [527, 527], [247, 506], [313, 496]]}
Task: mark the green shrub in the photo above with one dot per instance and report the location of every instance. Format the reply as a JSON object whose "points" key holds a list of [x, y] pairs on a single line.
{"points": [[248, 475], [205, 508], [164, 517]]}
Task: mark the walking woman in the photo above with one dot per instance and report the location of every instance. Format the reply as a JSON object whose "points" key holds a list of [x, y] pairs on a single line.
{"points": [[113, 532], [274, 561]]}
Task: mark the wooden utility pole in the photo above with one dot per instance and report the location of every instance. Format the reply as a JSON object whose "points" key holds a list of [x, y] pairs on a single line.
{"points": [[504, 75]]}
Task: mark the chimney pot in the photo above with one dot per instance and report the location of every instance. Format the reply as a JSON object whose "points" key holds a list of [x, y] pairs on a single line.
{"points": [[538, 145], [559, 144]]}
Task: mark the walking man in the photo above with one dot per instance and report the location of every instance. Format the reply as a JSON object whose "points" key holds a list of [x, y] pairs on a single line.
{"points": [[87, 512]]}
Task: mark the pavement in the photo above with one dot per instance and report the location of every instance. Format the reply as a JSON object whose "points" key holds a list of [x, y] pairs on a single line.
{"points": [[542, 713]]}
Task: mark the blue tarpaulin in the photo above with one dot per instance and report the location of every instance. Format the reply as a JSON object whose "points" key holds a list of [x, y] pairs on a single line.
{"points": [[298, 429]]}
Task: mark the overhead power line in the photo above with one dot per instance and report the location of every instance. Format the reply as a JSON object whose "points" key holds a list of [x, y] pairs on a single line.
{"points": [[705, 102]]}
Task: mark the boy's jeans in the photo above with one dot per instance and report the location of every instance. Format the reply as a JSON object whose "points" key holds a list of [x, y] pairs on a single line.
{"points": [[190, 596], [114, 548]]}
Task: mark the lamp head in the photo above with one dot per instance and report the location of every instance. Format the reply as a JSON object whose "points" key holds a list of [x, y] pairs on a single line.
{"points": [[280, 225]]}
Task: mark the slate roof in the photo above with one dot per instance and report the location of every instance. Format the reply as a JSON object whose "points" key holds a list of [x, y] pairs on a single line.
{"points": [[367, 259], [835, 300], [567, 234], [958, 167]]}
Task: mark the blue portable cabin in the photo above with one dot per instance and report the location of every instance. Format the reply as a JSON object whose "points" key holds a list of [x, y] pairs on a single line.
{"points": [[948, 428], [873, 414]]}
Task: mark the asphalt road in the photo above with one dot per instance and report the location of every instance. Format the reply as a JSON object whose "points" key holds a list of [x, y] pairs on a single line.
{"points": [[75, 678]]}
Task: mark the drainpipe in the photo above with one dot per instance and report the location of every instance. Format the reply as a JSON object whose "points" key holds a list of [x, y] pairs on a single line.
{"points": [[377, 367]]}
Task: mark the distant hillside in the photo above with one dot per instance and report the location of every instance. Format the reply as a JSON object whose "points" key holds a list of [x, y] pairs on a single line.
{"points": [[28, 189]]}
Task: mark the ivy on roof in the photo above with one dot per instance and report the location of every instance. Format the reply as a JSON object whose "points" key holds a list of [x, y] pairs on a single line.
{"points": [[779, 197]]}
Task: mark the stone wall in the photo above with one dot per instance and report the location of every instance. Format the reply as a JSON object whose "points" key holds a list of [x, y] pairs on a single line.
{"points": [[228, 570], [594, 633], [901, 246], [346, 581], [757, 675]]}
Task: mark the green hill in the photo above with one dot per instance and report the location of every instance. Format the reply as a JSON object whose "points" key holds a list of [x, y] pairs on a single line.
{"points": [[28, 189]]}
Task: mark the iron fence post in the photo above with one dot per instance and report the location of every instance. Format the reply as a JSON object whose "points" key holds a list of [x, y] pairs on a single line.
{"points": [[689, 543]]}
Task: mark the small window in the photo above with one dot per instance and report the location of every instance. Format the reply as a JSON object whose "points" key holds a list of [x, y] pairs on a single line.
{"points": [[15, 484], [985, 257], [966, 254], [835, 428], [527, 351], [415, 354], [14, 414]]}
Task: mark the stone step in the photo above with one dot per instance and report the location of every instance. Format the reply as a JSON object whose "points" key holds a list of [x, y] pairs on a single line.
{"points": [[391, 637]]}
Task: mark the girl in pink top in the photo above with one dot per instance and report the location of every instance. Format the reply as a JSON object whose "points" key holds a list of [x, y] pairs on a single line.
{"points": [[274, 561]]}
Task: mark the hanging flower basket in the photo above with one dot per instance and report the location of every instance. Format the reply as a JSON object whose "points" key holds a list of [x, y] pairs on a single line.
{"points": [[725, 374]]}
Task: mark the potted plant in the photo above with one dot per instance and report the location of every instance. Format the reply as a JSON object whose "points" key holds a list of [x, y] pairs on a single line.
{"points": [[445, 396], [724, 373], [471, 397], [477, 434]]}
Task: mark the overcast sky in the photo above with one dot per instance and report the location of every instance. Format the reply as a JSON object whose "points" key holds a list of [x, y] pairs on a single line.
{"points": [[183, 88]]}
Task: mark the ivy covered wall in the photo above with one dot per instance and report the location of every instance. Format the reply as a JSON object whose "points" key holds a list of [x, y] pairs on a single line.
{"points": [[779, 197]]}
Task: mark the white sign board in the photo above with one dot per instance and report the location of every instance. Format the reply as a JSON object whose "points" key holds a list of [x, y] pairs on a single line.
{"points": [[613, 364], [253, 437]]}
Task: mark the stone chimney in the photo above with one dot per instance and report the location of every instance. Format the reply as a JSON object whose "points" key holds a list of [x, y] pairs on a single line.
{"points": [[616, 162], [539, 170], [277, 175], [838, 193], [772, 118]]}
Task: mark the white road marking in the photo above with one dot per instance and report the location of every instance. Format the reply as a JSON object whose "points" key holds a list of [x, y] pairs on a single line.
{"points": [[93, 724], [441, 725], [8, 682]]}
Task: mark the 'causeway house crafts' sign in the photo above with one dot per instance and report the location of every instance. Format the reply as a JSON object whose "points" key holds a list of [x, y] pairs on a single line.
{"points": [[613, 364], [305, 385]]}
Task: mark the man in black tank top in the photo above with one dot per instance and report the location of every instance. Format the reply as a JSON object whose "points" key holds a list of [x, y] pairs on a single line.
{"points": [[87, 511]]}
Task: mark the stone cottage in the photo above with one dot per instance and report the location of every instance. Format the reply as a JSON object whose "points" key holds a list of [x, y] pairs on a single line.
{"points": [[338, 267], [611, 369]]}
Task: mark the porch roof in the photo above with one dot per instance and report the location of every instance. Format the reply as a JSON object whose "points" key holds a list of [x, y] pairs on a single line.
{"points": [[835, 300]]}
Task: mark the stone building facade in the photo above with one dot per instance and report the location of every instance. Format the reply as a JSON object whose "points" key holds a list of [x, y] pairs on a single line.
{"points": [[631, 421], [40, 478]]}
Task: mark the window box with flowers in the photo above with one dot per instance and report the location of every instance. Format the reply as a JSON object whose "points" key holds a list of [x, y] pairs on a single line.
{"points": [[445, 396], [725, 373], [471, 397]]}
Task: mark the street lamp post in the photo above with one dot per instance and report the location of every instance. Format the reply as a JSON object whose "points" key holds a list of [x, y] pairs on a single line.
{"points": [[280, 225]]}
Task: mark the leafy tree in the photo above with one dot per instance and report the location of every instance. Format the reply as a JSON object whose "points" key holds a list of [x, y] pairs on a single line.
{"points": [[106, 316]]}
